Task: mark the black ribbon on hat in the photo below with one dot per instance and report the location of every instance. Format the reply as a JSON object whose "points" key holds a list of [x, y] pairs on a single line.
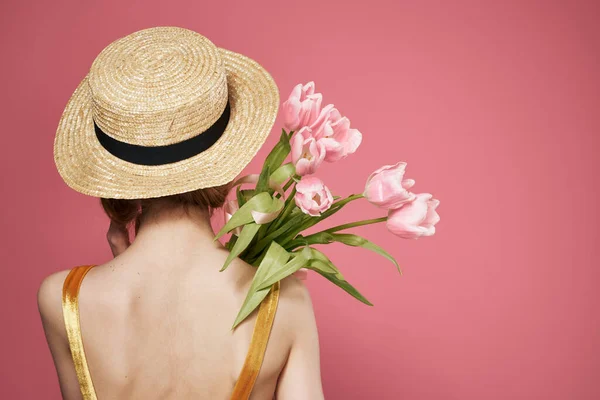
{"points": [[160, 155]]}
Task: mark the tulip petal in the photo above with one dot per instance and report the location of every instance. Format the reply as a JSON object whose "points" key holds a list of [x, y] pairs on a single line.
{"points": [[334, 151], [303, 167], [309, 184], [296, 92], [309, 88], [264, 218], [432, 216], [314, 111], [318, 125], [296, 143], [408, 183], [353, 141], [291, 113], [414, 219], [340, 125]]}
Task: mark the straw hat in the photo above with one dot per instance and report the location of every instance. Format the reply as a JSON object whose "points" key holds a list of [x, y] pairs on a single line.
{"points": [[163, 111]]}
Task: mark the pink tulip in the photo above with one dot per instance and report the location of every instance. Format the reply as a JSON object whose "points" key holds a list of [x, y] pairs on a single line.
{"points": [[335, 133], [414, 219], [302, 107], [321, 126], [230, 207], [307, 153], [387, 188], [312, 196]]}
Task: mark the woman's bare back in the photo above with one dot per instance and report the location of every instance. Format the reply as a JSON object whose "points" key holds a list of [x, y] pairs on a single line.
{"points": [[156, 324], [171, 330]]}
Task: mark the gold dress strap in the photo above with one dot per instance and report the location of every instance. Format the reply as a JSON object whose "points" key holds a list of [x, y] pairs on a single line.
{"points": [[70, 306], [258, 345]]}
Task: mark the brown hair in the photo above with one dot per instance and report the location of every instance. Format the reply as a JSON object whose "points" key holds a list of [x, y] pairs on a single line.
{"points": [[126, 211]]}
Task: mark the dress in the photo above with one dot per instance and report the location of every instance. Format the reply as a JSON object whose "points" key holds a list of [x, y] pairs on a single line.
{"points": [[252, 364]]}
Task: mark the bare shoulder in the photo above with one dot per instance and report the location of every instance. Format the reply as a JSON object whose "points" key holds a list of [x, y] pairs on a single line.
{"points": [[294, 293], [49, 299], [301, 376], [295, 306]]}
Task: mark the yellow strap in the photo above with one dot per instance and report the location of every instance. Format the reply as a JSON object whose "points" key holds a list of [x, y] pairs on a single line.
{"points": [[258, 345], [70, 305]]}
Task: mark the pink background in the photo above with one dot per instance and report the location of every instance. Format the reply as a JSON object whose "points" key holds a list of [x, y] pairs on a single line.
{"points": [[494, 105]]}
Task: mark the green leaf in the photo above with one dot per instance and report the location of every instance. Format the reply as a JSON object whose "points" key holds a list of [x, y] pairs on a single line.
{"points": [[279, 272], [267, 218], [355, 240], [319, 255], [240, 196], [345, 238], [290, 205], [247, 194], [331, 273], [231, 242], [263, 180], [261, 202], [283, 173], [276, 255], [279, 152], [281, 233], [242, 242], [315, 238], [269, 212]]}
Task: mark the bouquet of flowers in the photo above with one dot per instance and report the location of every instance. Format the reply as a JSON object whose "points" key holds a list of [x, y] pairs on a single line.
{"points": [[268, 220]]}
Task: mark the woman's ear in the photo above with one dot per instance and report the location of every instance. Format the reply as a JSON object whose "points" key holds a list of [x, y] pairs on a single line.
{"points": [[118, 238]]}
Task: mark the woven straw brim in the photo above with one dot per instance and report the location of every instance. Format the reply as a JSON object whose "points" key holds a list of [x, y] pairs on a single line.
{"points": [[90, 169]]}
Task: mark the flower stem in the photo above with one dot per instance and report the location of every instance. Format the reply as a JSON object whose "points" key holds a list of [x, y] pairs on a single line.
{"points": [[306, 240], [287, 185], [354, 224], [335, 207], [348, 199], [289, 182], [286, 211]]}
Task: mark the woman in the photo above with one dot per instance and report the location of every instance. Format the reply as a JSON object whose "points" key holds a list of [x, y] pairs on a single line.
{"points": [[158, 129]]}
